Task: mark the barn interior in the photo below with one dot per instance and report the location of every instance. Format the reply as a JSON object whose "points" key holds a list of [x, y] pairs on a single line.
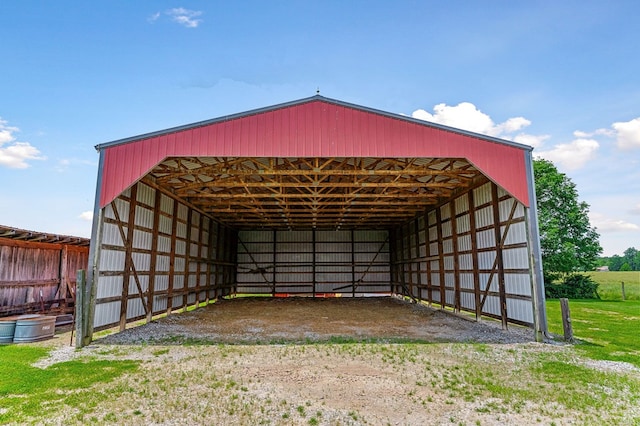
{"points": [[194, 228]]}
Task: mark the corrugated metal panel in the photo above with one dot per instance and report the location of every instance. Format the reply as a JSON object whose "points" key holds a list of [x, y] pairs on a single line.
{"points": [[482, 195], [166, 206], [317, 128], [462, 204], [295, 261], [520, 310], [106, 313]]}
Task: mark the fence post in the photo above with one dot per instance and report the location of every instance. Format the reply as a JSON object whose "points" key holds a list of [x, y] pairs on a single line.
{"points": [[624, 296], [81, 284], [566, 320]]}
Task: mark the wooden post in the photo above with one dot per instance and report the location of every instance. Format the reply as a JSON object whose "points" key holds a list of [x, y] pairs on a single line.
{"points": [[89, 313], [623, 293], [566, 320], [80, 318]]}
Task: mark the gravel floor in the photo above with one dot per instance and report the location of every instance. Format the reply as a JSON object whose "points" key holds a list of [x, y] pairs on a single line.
{"points": [[267, 320]]}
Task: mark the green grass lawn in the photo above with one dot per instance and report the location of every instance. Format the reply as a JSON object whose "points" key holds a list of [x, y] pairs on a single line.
{"points": [[608, 330], [610, 288], [27, 391]]}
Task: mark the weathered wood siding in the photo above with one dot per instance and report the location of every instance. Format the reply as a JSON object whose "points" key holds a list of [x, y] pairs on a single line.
{"points": [[35, 274]]}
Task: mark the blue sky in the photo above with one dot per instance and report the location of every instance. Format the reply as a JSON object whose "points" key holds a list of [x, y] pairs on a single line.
{"points": [[561, 76]]}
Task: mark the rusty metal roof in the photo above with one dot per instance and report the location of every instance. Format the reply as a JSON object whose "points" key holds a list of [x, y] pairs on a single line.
{"points": [[41, 237]]}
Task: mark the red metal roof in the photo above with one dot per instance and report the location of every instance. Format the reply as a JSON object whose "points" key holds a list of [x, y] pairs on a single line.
{"points": [[313, 127]]}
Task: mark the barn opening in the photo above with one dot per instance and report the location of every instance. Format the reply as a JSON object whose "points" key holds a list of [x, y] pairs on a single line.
{"points": [[315, 197]]}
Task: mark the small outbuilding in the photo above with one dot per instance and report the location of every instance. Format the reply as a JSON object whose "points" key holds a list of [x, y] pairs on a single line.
{"points": [[315, 197], [38, 271]]}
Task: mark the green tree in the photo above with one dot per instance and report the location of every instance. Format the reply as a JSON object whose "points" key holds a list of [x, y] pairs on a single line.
{"points": [[615, 262], [568, 242], [632, 257]]}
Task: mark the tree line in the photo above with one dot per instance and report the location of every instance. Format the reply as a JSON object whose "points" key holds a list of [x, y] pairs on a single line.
{"points": [[629, 261]]}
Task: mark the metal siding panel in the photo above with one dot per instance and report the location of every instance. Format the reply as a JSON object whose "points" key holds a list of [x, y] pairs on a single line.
{"points": [[463, 224], [516, 258], [462, 204], [517, 233], [482, 195], [518, 284], [111, 260], [106, 313], [520, 310], [108, 287], [311, 128]]}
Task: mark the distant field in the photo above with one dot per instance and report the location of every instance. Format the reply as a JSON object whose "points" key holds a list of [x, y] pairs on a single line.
{"points": [[610, 288]]}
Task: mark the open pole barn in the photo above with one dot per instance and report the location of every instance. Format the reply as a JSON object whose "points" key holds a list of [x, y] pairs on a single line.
{"points": [[38, 271], [315, 197]]}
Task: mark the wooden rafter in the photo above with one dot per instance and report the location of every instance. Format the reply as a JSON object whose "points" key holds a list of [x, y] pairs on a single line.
{"points": [[313, 192]]}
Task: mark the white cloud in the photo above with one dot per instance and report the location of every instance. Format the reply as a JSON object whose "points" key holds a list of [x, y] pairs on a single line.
{"points": [[608, 224], [88, 216], [628, 134], [467, 116], [154, 17], [15, 154], [571, 156], [635, 210], [531, 140], [185, 17]]}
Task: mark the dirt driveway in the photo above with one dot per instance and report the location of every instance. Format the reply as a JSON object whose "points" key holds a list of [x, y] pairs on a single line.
{"points": [[256, 361]]}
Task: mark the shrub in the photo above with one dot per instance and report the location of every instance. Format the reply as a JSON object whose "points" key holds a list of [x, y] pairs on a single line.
{"points": [[573, 286]]}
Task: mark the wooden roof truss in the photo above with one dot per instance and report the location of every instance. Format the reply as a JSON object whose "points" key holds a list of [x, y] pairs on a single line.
{"points": [[288, 193]]}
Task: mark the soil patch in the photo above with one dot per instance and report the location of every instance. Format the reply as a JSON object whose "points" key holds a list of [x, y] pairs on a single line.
{"points": [[304, 320]]}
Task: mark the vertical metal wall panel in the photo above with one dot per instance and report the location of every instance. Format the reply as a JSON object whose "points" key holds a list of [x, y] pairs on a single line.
{"points": [[164, 244], [467, 262], [166, 206], [111, 235], [521, 310], [486, 239], [484, 217], [161, 283], [463, 225], [107, 313], [462, 204], [165, 225], [466, 281], [329, 262], [180, 258], [516, 258], [467, 301], [445, 212], [482, 195], [181, 232], [517, 233], [111, 287], [446, 228], [111, 260], [464, 243]]}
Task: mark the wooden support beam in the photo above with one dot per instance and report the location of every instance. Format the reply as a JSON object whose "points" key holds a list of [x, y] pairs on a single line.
{"points": [[499, 238], [443, 296], [474, 256], [154, 254], [456, 261], [172, 256]]}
